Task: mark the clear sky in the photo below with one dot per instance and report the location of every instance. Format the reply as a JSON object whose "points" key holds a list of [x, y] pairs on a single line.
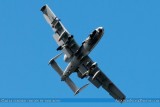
{"points": [[128, 53]]}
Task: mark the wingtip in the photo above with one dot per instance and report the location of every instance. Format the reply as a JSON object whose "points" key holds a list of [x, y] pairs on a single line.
{"points": [[121, 100], [43, 8]]}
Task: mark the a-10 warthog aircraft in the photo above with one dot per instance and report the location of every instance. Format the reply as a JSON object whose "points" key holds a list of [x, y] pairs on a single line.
{"points": [[77, 57]]}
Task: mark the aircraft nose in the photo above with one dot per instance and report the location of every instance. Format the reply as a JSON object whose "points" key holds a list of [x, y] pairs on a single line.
{"points": [[101, 30]]}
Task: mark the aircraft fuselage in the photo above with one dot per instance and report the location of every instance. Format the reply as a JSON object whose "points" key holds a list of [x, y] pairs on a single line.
{"points": [[86, 47]]}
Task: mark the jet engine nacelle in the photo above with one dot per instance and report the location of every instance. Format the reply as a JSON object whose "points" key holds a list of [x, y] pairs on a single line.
{"points": [[66, 59]]}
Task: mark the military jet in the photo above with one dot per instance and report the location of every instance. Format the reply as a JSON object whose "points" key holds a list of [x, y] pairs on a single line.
{"points": [[77, 57]]}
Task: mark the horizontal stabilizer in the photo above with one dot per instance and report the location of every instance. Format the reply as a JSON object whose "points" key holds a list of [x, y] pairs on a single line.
{"points": [[68, 81]]}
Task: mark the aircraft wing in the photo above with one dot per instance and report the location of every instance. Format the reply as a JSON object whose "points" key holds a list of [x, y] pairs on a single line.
{"points": [[98, 78], [65, 40]]}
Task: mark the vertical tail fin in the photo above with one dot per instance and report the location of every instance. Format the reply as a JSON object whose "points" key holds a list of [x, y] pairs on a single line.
{"points": [[68, 81]]}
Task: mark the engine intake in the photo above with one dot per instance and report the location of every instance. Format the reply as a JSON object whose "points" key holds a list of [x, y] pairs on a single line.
{"points": [[66, 59]]}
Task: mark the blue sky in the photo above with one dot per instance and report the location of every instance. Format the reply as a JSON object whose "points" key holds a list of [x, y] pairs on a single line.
{"points": [[128, 53]]}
